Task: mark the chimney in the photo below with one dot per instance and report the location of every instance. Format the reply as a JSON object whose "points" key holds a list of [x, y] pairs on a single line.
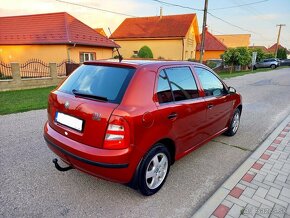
{"points": [[161, 12]]}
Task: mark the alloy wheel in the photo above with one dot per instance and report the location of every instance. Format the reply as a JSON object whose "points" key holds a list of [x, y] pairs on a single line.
{"points": [[156, 171]]}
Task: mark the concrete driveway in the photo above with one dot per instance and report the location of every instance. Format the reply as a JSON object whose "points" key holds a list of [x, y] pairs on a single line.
{"points": [[31, 186]]}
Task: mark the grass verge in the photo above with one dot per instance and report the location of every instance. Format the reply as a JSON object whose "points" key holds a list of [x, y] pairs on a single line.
{"points": [[23, 100], [226, 75]]}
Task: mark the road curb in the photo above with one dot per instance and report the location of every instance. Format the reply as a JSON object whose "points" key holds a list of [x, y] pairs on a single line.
{"points": [[208, 208]]}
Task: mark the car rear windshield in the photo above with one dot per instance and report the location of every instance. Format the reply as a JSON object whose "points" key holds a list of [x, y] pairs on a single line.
{"points": [[100, 82]]}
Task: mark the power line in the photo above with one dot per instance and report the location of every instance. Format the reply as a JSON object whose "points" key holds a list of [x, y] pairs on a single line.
{"points": [[241, 5], [241, 28], [216, 17], [176, 5], [95, 8], [181, 6]]}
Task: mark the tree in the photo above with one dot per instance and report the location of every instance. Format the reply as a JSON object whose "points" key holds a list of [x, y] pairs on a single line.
{"points": [[145, 52], [282, 53], [260, 53], [231, 57], [240, 56], [244, 57]]}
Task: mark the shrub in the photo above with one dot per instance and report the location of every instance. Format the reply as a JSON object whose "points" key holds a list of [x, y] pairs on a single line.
{"points": [[269, 55], [282, 53], [145, 52]]}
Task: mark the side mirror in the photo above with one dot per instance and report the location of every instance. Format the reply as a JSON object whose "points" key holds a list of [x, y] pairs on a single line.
{"points": [[232, 90]]}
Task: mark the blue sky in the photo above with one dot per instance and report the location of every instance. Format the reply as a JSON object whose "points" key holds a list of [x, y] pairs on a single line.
{"points": [[258, 19]]}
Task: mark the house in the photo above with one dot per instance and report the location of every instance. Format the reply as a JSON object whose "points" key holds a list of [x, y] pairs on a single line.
{"points": [[213, 48], [51, 37], [101, 31], [235, 40], [272, 49], [263, 48], [171, 37]]}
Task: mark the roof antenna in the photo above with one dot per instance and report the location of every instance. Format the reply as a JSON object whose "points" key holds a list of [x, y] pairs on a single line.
{"points": [[119, 55]]}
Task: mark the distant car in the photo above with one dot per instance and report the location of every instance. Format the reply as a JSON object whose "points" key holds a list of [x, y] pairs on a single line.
{"points": [[285, 62], [128, 122], [267, 63]]}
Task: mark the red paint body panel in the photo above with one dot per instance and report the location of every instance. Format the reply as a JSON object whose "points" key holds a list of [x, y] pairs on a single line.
{"points": [[147, 120]]}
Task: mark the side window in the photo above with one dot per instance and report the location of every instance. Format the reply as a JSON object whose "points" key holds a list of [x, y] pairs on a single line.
{"points": [[182, 83], [211, 85], [163, 89]]}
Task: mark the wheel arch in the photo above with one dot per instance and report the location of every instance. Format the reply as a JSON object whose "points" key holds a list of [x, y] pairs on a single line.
{"points": [[240, 107], [170, 145]]}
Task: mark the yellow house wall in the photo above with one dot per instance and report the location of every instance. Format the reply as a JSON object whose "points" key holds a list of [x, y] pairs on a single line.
{"points": [[48, 53], [167, 48], [190, 43], [22, 53], [210, 55], [235, 40]]}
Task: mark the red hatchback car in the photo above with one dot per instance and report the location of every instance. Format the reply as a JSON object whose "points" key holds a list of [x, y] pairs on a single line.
{"points": [[128, 122]]}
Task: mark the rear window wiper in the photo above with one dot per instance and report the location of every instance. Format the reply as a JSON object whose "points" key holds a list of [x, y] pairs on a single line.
{"points": [[77, 93]]}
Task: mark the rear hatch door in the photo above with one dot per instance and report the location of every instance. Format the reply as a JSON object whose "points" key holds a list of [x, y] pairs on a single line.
{"points": [[81, 107]]}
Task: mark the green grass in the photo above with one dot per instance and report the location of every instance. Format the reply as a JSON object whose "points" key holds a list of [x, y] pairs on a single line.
{"points": [[226, 75], [23, 100]]}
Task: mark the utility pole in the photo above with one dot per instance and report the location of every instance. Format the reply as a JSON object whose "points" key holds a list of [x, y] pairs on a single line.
{"points": [[201, 51], [278, 39]]}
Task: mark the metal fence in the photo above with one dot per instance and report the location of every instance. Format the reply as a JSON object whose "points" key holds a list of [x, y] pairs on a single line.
{"points": [[5, 71], [63, 68], [34, 68]]}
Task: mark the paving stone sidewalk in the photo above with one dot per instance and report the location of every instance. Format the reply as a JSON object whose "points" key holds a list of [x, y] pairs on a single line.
{"points": [[260, 187]]}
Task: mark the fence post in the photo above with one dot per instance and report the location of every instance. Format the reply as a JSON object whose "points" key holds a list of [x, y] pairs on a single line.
{"points": [[53, 70], [15, 69]]}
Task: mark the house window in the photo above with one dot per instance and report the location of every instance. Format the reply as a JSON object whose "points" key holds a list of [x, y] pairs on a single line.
{"points": [[135, 53], [186, 55], [87, 56]]}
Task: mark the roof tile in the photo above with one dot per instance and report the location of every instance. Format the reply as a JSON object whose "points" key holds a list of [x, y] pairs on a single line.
{"points": [[53, 28], [154, 27], [211, 43]]}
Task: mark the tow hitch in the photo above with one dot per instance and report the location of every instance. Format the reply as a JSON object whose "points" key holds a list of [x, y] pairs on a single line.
{"points": [[62, 169]]}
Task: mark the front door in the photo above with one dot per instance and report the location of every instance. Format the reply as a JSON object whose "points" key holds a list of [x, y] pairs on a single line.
{"points": [[219, 104]]}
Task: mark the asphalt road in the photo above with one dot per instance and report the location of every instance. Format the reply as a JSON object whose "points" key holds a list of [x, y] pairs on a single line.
{"points": [[30, 186]]}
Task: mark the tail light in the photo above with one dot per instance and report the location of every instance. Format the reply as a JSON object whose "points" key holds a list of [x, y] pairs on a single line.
{"points": [[117, 134]]}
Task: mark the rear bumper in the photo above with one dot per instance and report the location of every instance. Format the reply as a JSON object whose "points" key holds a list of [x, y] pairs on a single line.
{"points": [[113, 165]]}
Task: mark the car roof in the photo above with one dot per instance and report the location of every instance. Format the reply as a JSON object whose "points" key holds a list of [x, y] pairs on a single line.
{"points": [[135, 63]]}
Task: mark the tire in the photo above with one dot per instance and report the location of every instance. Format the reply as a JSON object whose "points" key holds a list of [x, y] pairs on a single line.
{"points": [[234, 124], [154, 170], [273, 66], [254, 68]]}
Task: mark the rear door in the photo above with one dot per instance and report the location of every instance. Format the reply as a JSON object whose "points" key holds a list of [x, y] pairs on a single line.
{"points": [[218, 102], [181, 110]]}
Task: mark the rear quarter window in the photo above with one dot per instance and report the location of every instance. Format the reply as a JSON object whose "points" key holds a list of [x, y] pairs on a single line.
{"points": [[105, 81]]}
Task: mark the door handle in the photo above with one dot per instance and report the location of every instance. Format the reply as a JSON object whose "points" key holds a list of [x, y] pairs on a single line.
{"points": [[172, 116], [210, 106]]}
